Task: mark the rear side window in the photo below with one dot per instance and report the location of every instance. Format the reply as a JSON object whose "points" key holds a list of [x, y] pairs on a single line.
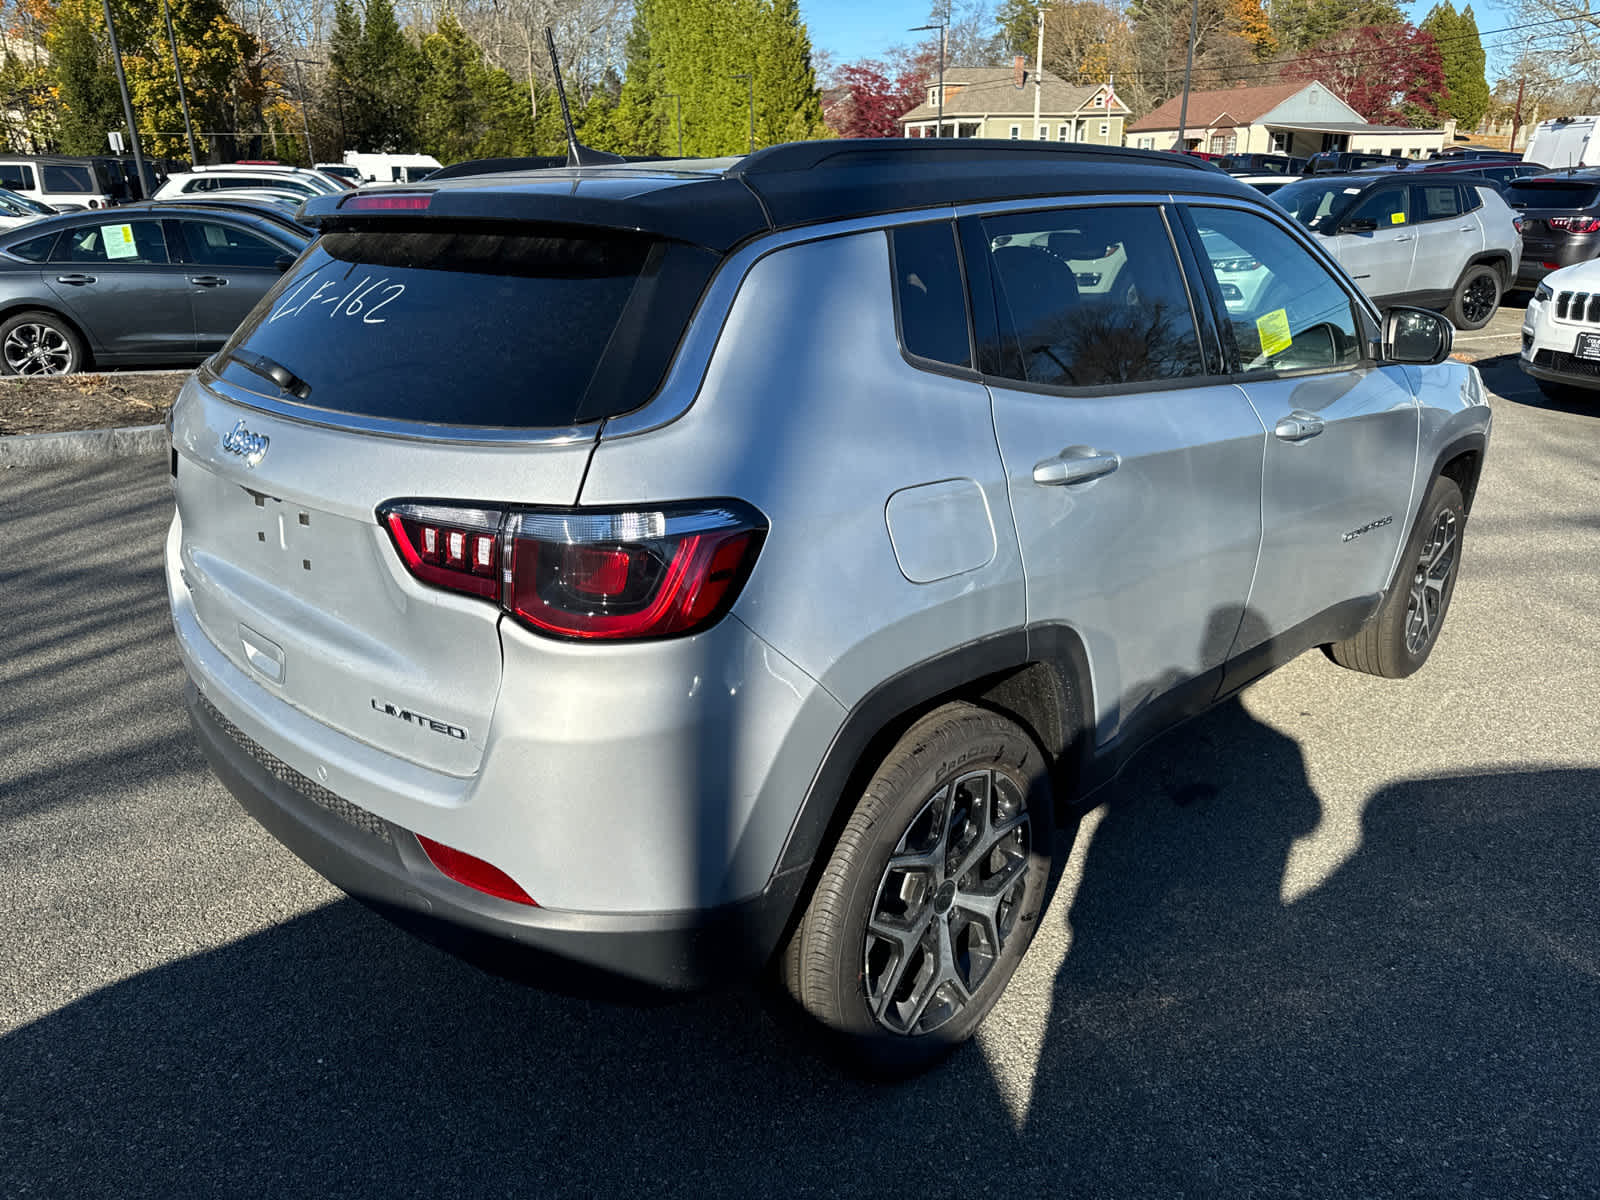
{"points": [[15, 176], [1435, 201], [1093, 297], [60, 177], [514, 330], [34, 249], [135, 242], [928, 288], [219, 245]]}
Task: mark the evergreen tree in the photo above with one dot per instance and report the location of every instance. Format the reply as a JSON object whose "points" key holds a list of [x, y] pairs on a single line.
{"points": [[80, 61], [1469, 91], [375, 75]]}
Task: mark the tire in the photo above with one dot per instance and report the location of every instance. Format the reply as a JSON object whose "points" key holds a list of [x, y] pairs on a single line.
{"points": [[39, 343], [1476, 298], [949, 975], [1401, 635]]}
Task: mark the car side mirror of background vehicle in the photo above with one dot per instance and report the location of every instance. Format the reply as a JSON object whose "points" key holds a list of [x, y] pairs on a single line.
{"points": [[1416, 335], [283, 262], [1360, 225]]}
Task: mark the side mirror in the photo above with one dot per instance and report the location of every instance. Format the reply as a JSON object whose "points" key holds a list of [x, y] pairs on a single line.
{"points": [[283, 262], [1415, 335], [1360, 225]]}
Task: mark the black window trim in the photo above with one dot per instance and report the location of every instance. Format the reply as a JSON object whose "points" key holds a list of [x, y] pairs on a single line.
{"points": [[1368, 325], [974, 243], [934, 366]]}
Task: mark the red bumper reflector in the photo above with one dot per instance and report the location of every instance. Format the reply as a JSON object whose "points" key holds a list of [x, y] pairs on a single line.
{"points": [[474, 872]]}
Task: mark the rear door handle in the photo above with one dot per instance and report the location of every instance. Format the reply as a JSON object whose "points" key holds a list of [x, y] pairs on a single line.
{"points": [[1298, 426], [1075, 464], [75, 280], [208, 280]]}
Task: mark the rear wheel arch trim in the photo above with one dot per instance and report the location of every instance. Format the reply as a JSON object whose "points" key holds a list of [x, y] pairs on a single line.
{"points": [[973, 672]]}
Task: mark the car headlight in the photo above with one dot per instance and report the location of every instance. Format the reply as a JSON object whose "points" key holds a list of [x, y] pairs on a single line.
{"points": [[1542, 293]]}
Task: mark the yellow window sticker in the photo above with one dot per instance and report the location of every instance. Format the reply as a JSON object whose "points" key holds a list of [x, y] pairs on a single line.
{"points": [[1397, 218], [1274, 331], [119, 241]]}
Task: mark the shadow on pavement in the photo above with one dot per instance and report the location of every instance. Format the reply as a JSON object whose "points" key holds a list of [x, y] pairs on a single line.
{"points": [[1422, 1022], [1504, 378]]}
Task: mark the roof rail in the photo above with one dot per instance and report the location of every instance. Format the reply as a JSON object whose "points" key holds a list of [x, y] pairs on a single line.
{"points": [[866, 152]]}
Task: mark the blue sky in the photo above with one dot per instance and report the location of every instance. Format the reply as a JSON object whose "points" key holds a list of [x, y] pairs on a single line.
{"points": [[853, 29]]}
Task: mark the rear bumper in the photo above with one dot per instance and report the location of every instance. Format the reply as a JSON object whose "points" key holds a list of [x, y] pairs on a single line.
{"points": [[382, 865]]}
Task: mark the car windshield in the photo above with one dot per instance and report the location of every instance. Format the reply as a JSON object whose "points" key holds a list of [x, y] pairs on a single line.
{"points": [[1318, 204], [1576, 193], [13, 201]]}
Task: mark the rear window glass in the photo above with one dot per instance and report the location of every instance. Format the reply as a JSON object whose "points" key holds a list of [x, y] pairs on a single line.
{"points": [[473, 328], [1553, 195]]}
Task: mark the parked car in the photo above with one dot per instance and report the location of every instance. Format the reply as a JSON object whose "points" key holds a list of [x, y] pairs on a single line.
{"points": [[1342, 162], [845, 535], [62, 183], [344, 171], [1560, 221], [267, 206], [1265, 184], [224, 177], [392, 168], [1500, 170], [1428, 240], [1262, 164], [19, 210], [146, 283], [1561, 332]]}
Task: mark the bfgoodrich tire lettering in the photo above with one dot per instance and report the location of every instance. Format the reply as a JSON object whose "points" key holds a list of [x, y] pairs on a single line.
{"points": [[1401, 635], [932, 895]]}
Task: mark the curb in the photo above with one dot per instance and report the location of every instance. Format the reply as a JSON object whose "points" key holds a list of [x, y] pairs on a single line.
{"points": [[85, 445]]}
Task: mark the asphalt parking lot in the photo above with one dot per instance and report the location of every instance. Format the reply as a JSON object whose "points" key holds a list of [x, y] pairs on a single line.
{"points": [[1340, 936]]}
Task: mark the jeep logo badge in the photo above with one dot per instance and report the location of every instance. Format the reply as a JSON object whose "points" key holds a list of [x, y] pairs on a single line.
{"points": [[252, 447]]}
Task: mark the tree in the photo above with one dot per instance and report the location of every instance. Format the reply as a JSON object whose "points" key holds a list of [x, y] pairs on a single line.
{"points": [[374, 72], [84, 82], [1391, 75], [877, 94], [1300, 24]]}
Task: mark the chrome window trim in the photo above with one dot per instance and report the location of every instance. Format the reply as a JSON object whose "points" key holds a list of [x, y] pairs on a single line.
{"points": [[413, 431]]}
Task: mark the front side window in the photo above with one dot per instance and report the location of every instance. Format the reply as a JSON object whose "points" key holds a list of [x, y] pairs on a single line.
{"points": [[133, 242], [1092, 297], [1286, 312], [1385, 207], [930, 293]]}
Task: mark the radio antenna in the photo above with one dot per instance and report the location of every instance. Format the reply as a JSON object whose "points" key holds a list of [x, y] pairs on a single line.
{"points": [[578, 155]]}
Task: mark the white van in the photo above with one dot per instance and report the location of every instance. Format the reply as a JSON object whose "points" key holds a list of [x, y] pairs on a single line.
{"points": [[1564, 142], [392, 168], [62, 183]]}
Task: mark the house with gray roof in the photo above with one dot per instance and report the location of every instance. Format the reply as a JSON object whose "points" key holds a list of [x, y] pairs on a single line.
{"points": [[998, 102]]}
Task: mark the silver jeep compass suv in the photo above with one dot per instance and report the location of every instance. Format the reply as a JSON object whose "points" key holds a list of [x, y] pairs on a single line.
{"points": [[681, 569]]}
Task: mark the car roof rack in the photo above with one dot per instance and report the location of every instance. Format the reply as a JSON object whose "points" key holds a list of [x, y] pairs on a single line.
{"points": [[865, 152]]}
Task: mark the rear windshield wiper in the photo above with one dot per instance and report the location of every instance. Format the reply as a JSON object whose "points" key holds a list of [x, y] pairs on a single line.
{"points": [[268, 368]]}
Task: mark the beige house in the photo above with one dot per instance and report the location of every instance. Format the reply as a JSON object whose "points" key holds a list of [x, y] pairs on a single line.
{"points": [[997, 102], [1281, 118]]}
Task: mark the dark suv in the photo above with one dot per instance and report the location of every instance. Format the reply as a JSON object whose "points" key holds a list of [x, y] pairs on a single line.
{"points": [[1337, 162], [1262, 164], [1560, 221]]}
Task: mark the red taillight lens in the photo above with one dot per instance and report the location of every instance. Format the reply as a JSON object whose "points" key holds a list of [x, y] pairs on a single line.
{"points": [[1576, 224], [629, 575], [386, 201], [585, 573], [455, 548], [466, 869], [1516, 223]]}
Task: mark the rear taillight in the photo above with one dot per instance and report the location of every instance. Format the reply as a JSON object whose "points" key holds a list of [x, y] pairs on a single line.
{"points": [[585, 573], [1575, 224], [473, 872], [1516, 223]]}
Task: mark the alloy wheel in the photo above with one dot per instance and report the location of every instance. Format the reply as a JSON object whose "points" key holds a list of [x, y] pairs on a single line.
{"points": [[35, 349], [1426, 608], [1478, 302], [947, 903]]}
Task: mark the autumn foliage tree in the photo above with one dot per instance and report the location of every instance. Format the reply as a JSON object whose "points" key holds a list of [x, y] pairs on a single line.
{"points": [[875, 95], [1390, 74]]}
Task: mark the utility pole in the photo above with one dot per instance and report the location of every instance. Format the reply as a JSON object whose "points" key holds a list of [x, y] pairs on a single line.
{"points": [[145, 181], [677, 103], [1188, 70], [1038, 72], [940, 27], [750, 82], [177, 70], [1522, 83]]}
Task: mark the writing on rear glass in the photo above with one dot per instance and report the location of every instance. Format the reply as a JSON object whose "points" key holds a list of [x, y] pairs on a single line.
{"points": [[332, 298]]}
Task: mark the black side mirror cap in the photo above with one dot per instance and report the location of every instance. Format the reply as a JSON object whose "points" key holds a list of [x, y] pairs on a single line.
{"points": [[1417, 336]]}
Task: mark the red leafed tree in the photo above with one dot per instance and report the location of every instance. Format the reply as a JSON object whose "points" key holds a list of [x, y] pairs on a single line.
{"points": [[873, 95], [1390, 74]]}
